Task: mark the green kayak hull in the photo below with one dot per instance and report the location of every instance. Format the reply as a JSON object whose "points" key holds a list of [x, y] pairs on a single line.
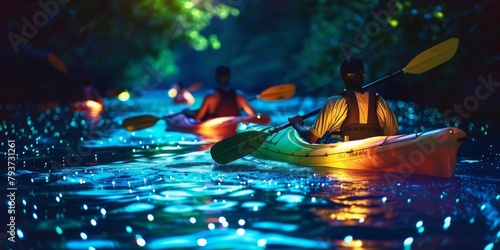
{"points": [[429, 153]]}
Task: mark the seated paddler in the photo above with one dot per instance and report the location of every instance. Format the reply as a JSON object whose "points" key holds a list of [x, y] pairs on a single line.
{"points": [[353, 115], [223, 100]]}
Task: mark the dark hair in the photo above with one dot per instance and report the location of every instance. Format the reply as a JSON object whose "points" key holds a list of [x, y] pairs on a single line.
{"points": [[351, 72], [223, 70]]}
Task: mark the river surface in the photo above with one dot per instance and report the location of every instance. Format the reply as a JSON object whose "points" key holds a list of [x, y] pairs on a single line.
{"points": [[80, 184]]}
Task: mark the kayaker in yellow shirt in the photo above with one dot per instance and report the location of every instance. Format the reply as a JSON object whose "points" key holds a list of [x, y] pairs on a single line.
{"points": [[223, 101], [355, 113]]}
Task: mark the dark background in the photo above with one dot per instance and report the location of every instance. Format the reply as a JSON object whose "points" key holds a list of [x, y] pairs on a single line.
{"points": [[151, 44]]}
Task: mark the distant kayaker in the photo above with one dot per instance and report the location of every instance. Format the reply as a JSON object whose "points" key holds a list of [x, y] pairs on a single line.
{"points": [[355, 113], [88, 92], [223, 101], [178, 92]]}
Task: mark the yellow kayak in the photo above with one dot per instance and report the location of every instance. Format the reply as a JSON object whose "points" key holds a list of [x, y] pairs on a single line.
{"points": [[429, 153]]}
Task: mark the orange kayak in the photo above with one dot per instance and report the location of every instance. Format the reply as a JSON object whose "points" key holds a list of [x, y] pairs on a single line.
{"points": [[220, 127], [89, 107]]}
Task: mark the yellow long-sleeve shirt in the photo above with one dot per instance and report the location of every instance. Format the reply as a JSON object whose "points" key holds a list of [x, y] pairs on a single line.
{"points": [[334, 112]]}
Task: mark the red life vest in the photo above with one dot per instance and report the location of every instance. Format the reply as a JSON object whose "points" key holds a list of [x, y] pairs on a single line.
{"points": [[228, 105], [351, 126]]}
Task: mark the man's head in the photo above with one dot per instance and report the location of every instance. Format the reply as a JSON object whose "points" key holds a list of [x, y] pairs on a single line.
{"points": [[222, 75], [352, 72]]}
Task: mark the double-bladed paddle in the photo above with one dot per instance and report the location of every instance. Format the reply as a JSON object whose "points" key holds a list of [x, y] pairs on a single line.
{"points": [[275, 93], [239, 145]]}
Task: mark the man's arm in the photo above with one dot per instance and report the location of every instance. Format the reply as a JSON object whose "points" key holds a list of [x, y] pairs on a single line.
{"points": [[203, 109], [243, 104], [323, 122], [387, 118], [298, 125]]}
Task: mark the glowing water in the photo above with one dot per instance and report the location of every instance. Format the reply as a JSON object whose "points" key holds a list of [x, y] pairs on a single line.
{"points": [[82, 186]]}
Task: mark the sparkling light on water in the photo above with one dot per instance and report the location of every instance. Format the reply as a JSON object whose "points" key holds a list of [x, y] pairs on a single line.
{"points": [[151, 217], [348, 239], [20, 234], [240, 231], [222, 219], [447, 223], [241, 222], [202, 242], [408, 241], [262, 242], [419, 224], [141, 242]]}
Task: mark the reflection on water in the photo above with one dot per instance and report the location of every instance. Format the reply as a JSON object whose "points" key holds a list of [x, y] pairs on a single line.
{"points": [[82, 188], [159, 206]]}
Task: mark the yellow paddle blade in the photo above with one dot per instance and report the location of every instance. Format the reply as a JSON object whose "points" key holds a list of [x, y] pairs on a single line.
{"points": [[432, 57], [57, 63], [278, 92], [139, 122]]}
